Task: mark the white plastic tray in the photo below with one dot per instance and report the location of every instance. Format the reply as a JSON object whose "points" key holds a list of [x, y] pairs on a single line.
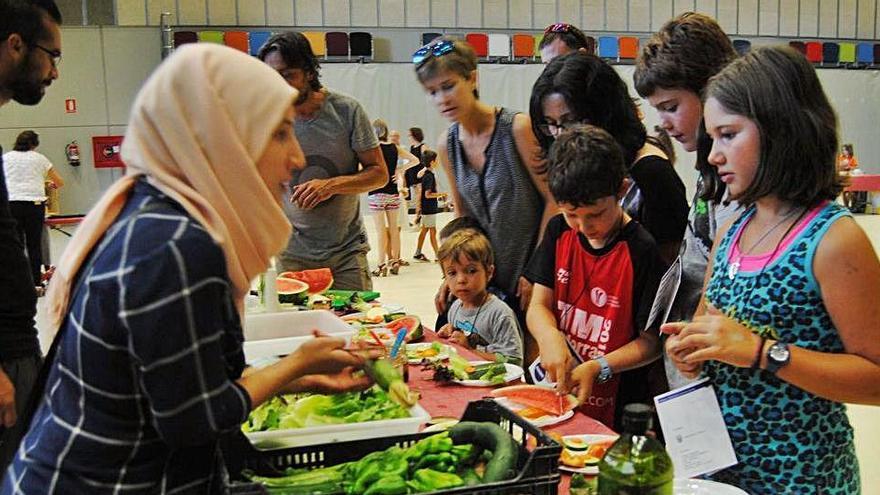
{"points": [[314, 435], [280, 333]]}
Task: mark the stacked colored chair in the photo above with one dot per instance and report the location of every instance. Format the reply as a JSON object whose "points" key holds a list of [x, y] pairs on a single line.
{"points": [[608, 48], [316, 41], [876, 53], [830, 53], [864, 54], [628, 48], [361, 45], [499, 46], [742, 46], [237, 40], [479, 42], [814, 52], [257, 39], [184, 37], [523, 46], [429, 37], [799, 46], [211, 37], [337, 44], [848, 54]]}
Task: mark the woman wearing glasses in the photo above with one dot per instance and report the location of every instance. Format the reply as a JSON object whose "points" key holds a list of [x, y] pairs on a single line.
{"points": [[582, 88], [493, 163]]}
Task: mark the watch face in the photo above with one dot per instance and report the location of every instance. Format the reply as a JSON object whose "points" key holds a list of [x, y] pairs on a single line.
{"points": [[779, 353]]}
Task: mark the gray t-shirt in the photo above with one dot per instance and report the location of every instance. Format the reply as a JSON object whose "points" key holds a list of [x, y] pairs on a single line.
{"points": [[330, 142], [495, 323]]}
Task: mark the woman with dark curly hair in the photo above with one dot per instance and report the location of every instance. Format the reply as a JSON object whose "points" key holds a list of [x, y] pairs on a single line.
{"points": [[582, 88]]}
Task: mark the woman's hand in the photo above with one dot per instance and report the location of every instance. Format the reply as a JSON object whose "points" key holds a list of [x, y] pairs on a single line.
{"points": [[524, 293], [441, 299], [347, 380], [677, 354], [712, 336], [324, 355], [583, 377], [556, 360]]}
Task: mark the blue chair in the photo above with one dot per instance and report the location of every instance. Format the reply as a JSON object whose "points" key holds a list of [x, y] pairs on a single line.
{"points": [[865, 53], [742, 46], [257, 40], [608, 47]]}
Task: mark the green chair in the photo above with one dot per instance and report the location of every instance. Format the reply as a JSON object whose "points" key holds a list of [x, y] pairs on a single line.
{"points": [[211, 37], [847, 53]]}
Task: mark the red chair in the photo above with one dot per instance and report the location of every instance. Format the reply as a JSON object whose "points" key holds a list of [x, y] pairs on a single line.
{"points": [[337, 44], [523, 46], [814, 52], [628, 47], [236, 39], [479, 42]]}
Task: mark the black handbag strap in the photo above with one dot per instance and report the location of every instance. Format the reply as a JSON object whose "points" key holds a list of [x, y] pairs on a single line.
{"points": [[36, 395]]}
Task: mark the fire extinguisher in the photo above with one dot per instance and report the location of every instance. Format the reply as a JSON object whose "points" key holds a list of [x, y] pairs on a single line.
{"points": [[72, 152]]}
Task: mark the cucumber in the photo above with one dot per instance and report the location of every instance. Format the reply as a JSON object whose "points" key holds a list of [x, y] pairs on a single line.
{"points": [[490, 436]]}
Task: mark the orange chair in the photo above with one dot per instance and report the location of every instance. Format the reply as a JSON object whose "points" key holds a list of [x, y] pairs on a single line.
{"points": [[628, 47], [523, 46], [236, 39], [479, 42], [316, 40]]}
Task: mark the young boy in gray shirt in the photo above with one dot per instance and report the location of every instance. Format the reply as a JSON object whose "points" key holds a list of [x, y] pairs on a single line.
{"points": [[477, 319]]}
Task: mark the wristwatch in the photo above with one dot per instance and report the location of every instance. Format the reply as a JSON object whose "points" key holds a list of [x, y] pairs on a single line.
{"points": [[605, 372], [778, 356]]}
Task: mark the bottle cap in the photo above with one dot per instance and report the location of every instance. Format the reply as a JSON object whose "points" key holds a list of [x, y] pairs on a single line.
{"points": [[637, 418]]}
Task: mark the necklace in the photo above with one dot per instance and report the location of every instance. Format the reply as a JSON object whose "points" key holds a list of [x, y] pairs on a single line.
{"points": [[733, 268], [473, 323]]}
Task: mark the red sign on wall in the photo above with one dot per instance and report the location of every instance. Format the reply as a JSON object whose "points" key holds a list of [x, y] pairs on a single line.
{"points": [[106, 151], [70, 105]]}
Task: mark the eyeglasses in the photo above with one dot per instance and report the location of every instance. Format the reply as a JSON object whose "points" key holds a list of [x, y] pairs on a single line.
{"points": [[55, 55], [433, 49], [553, 130], [559, 27]]}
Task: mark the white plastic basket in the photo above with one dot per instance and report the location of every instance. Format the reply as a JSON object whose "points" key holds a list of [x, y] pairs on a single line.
{"points": [[315, 435], [267, 335]]}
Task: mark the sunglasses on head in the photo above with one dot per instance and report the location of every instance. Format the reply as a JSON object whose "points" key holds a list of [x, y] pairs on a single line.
{"points": [[433, 49], [559, 27]]}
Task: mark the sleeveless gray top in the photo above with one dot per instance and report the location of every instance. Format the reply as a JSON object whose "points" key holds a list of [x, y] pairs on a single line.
{"points": [[502, 199]]}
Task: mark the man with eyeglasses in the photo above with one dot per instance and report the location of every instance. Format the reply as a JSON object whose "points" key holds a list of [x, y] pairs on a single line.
{"points": [[343, 159], [30, 49], [562, 38]]}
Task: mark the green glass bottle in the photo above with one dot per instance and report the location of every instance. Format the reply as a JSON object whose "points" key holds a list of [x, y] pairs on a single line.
{"points": [[636, 464]]}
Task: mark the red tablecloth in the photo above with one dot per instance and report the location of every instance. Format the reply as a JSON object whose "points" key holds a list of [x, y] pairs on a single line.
{"points": [[451, 400], [864, 183]]}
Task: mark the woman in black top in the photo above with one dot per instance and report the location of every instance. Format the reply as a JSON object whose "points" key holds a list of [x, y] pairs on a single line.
{"points": [[582, 88], [385, 201]]}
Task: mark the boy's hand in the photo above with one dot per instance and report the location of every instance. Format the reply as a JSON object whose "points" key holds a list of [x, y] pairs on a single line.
{"points": [[459, 338], [556, 360], [583, 378], [445, 331]]}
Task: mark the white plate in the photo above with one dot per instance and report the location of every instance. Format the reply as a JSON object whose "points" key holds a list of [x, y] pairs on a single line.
{"points": [[703, 487], [539, 422], [514, 373], [590, 439], [443, 354]]}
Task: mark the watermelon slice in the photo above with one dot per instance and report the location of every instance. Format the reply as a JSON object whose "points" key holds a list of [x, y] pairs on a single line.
{"points": [[412, 324], [538, 397], [319, 280], [291, 291]]}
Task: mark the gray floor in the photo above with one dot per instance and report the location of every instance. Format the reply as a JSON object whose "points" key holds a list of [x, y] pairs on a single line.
{"points": [[416, 284]]}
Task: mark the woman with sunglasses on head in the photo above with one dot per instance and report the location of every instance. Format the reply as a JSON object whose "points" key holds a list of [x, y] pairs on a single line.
{"points": [[493, 163], [582, 88]]}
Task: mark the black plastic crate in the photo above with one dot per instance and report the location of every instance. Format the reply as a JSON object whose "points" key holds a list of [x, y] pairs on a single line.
{"points": [[538, 467]]}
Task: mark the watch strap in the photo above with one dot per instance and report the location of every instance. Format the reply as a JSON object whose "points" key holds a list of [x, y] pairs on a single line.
{"points": [[605, 372]]}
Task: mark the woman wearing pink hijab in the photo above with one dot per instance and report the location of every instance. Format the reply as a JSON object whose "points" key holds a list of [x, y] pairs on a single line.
{"points": [[148, 371]]}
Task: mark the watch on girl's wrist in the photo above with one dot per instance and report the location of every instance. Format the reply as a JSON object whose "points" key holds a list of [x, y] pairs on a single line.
{"points": [[778, 355]]}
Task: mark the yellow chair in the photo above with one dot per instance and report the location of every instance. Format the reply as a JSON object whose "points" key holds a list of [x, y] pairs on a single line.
{"points": [[316, 39]]}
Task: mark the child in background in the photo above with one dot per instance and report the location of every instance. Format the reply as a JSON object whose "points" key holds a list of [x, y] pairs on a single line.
{"points": [[780, 332], [595, 273], [847, 164], [477, 319], [428, 208]]}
